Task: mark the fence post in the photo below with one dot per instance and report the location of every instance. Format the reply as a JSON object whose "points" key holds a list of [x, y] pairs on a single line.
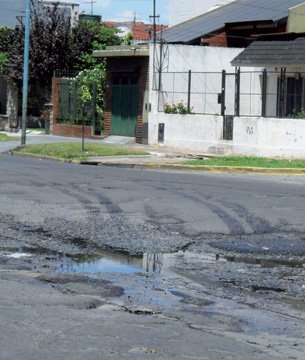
{"points": [[264, 93], [223, 93], [282, 92], [93, 107], [237, 92], [189, 92], [73, 101]]}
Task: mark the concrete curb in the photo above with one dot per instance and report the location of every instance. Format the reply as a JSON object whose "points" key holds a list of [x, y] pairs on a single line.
{"points": [[206, 168], [44, 157], [175, 167]]}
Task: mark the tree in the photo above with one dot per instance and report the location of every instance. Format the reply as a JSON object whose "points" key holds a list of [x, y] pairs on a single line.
{"points": [[53, 45]]}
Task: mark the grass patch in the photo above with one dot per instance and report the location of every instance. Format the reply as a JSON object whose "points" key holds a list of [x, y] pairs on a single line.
{"points": [[73, 151], [41, 130], [248, 162], [4, 137]]}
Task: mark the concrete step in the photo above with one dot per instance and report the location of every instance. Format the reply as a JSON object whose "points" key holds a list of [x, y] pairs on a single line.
{"points": [[220, 149]]}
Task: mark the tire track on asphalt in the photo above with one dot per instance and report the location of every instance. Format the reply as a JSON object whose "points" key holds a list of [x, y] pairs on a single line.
{"points": [[258, 224], [234, 225], [89, 204]]}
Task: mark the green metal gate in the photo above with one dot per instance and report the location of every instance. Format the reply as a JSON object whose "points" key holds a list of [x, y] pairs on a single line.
{"points": [[75, 111], [124, 108]]}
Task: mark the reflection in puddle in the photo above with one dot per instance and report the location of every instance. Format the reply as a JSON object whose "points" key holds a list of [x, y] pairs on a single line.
{"points": [[106, 261], [100, 262], [15, 253], [152, 262]]}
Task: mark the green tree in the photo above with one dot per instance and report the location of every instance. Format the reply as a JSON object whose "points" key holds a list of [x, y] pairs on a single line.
{"points": [[53, 45]]}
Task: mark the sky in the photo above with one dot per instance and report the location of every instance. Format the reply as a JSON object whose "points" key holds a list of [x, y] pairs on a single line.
{"points": [[123, 10]]}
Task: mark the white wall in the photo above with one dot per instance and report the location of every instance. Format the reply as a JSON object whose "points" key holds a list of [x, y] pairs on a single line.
{"points": [[193, 132], [266, 137], [270, 137], [206, 64], [186, 9]]}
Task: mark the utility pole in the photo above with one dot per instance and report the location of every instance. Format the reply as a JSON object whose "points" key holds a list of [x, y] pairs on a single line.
{"points": [[26, 70], [134, 27], [91, 2], [154, 17]]}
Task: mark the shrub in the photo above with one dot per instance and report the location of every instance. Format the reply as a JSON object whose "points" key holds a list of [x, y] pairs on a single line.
{"points": [[179, 108]]}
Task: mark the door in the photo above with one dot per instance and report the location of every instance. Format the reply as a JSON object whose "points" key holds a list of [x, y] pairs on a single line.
{"points": [[124, 111]]}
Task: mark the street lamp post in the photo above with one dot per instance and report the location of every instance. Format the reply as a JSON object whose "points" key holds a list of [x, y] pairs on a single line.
{"points": [[26, 70]]}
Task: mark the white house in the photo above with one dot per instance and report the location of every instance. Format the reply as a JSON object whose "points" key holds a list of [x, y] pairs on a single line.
{"points": [[247, 100]]}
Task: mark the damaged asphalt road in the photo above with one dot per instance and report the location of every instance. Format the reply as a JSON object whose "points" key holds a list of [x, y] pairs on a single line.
{"points": [[115, 263]]}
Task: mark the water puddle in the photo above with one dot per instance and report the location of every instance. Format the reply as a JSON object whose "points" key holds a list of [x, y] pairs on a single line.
{"points": [[102, 261], [112, 262], [15, 253]]}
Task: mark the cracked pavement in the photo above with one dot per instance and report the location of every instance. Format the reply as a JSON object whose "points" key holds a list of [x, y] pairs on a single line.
{"points": [[231, 253]]}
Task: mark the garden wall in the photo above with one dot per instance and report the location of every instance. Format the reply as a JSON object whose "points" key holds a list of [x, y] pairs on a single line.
{"points": [[267, 137]]}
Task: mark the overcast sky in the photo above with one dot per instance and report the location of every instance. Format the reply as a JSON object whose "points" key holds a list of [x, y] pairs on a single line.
{"points": [[123, 10]]}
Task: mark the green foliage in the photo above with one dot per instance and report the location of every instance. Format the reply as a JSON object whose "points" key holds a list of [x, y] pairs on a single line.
{"points": [[179, 108], [248, 161], [100, 37], [73, 151], [54, 45], [299, 115], [128, 39], [3, 61], [86, 81], [4, 137]]}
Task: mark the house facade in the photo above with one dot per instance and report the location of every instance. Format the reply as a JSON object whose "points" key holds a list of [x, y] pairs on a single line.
{"points": [[198, 98], [236, 108], [126, 91]]}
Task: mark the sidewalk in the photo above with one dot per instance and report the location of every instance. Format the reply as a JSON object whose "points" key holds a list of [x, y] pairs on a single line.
{"points": [[159, 157]]}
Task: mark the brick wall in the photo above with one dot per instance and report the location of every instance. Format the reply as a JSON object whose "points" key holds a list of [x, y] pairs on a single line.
{"points": [[107, 101], [71, 130], [143, 86], [219, 40], [138, 62]]}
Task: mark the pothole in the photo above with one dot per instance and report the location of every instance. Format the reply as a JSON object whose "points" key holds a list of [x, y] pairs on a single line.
{"points": [[101, 261]]}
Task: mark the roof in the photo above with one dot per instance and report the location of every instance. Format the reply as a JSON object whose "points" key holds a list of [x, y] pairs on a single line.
{"points": [[123, 51], [239, 10], [140, 30], [143, 31], [277, 52]]}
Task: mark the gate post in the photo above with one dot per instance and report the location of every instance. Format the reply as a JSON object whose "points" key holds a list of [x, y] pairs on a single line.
{"points": [[189, 92], [264, 93], [223, 93], [282, 92], [237, 92]]}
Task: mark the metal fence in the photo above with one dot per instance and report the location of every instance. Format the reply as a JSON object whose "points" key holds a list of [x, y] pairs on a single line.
{"points": [[243, 93], [73, 108]]}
